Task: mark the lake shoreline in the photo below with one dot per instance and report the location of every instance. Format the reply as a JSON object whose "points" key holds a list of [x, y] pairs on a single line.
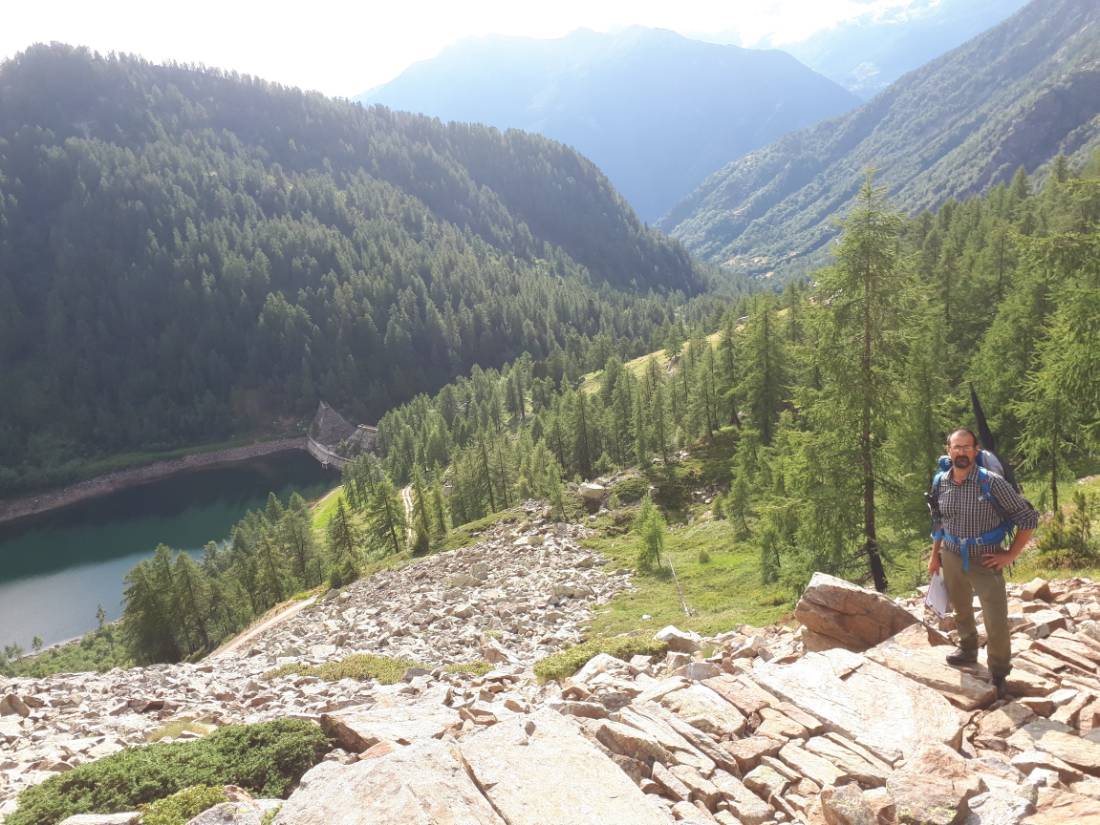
{"points": [[25, 507]]}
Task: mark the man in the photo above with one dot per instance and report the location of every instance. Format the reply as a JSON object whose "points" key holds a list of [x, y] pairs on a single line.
{"points": [[971, 510]]}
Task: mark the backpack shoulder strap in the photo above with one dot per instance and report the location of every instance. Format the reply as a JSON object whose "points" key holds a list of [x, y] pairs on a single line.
{"points": [[985, 481]]}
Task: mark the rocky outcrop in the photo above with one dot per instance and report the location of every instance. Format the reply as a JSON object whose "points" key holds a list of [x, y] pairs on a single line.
{"points": [[762, 731], [848, 615]]}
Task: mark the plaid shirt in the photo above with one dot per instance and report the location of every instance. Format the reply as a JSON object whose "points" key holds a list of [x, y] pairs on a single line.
{"points": [[963, 513]]}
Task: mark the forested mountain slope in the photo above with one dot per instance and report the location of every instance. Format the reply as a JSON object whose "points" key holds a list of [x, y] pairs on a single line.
{"points": [[1017, 95], [657, 112], [186, 253]]}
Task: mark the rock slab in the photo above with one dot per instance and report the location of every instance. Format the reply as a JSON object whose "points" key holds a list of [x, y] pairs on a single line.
{"points": [[424, 784], [543, 770]]}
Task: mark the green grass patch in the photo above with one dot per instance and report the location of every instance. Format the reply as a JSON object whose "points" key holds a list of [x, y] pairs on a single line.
{"points": [[565, 663], [385, 670], [182, 806], [266, 759], [478, 668], [470, 533], [722, 593], [591, 381]]}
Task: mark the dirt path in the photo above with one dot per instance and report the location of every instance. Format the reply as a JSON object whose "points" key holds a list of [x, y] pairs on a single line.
{"points": [[281, 614]]}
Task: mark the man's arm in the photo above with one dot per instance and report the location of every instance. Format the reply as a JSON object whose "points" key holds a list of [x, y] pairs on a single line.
{"points": [[1015, 506], [1023, 515], [934, 560]]}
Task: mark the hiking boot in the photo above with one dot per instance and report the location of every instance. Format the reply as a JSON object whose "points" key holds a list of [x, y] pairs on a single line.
{"points": [[960, 656], [1000, 684]]}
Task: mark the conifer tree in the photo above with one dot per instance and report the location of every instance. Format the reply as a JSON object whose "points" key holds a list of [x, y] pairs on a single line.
{"points": [[764, 379], [858, 349], [386, 524], [439, 512], [343, 545], [192, 599], [296, 535], [422, 520], [649, 524]]}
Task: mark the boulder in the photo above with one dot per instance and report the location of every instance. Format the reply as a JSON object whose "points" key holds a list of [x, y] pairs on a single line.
{"points": [[13, 705], [845, 805], [704, 709], [998, 808], [1060, 741], [425, 784], [358, 730], [1036, 589], [590, 491], [679, 641], [933, 786], [128, 818], [884, 711], [857, 618], [541, 769], [247, 812]]}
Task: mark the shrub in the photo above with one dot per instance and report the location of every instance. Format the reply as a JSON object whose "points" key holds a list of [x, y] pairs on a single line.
{"points": [[630, 489], [267, 759], [704, 556], [478, 668], [383, 669], [1067, 541], [565, 663], [183, 805]]}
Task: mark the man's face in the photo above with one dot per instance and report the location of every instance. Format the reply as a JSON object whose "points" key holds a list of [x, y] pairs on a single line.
{"points": [[962, 450]]}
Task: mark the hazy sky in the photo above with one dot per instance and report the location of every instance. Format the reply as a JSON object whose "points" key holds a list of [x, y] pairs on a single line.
{"points": [[346, 48]]}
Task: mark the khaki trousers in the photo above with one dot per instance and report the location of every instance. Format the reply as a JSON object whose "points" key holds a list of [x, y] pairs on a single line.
{"points": [[989, 584]]}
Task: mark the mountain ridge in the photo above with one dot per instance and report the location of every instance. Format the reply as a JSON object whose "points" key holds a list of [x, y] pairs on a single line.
{"points": [[1016, 95], [655, 111]]}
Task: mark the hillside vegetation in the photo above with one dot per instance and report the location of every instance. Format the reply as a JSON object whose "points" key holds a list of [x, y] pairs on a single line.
{"points": [[834, 399], [1016, 96], [190, 254]]}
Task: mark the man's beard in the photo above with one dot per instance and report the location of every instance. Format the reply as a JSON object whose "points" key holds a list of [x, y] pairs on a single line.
{"points": [[962, 461]]}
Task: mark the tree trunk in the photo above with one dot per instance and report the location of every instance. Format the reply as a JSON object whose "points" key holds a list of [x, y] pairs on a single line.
{"points": [[866, 456]]}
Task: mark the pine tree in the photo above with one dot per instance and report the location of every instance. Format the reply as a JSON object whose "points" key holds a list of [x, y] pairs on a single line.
{"points": [[193, 599], [861, 306], [386, 524], [296, 534], [764, 380], [421, 516], [439, 512], [343, 547], [649, 524]]}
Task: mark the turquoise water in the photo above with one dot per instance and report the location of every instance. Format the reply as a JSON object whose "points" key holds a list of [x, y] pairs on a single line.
{"points": [[55, 571]]}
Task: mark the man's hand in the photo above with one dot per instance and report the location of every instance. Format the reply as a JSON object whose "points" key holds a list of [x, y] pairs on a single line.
{"points": [[998, 561], [934, 561]]}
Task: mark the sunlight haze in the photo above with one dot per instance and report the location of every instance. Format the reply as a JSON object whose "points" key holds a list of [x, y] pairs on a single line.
{"points": [[344, 49]]}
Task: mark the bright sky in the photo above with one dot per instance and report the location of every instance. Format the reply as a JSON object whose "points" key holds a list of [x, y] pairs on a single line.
{"points": [[343, 49]]}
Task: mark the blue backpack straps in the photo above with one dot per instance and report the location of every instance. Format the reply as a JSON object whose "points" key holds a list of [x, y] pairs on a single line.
{"points": [[994, 536]]}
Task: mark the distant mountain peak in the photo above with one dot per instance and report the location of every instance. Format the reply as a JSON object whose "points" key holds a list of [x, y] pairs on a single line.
{"points": [[1017, 95], [655, 110]]}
